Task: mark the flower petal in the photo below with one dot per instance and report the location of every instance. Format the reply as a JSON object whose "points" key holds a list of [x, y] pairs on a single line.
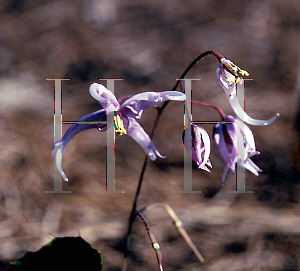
{"points": [[204, 167], [229, 158], [226, 80], [135, 131], [230, 129], [58, 160], [87, 122], [228, 83], [249, 164], [197, 144], [248, 135], [242, 155], [105, 97], [244, 117], [203, 135], [224, 175], [142, 101], [187, 142], [230, 124]]}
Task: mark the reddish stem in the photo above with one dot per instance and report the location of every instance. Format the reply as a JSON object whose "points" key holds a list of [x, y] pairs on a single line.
{"points": [[217, 55], [222, 114]]}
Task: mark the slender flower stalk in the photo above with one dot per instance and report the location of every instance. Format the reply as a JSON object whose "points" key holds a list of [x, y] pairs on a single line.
{"points": [[218, 109], [153, 241]]}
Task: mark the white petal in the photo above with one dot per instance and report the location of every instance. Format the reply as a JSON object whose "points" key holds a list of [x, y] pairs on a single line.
{"points": [[58, 160], [142, 101], [105, 97], [244, 117], [223, 75], [206, 141], [204, 168], [173, 95], [249, 164], [209, 163]]}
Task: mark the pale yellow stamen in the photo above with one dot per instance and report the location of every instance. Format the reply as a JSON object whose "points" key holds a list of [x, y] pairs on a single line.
{"points": [[238, 79], [234, 68], [119, 127], [230, 80], [244, 73], [231, 67]]}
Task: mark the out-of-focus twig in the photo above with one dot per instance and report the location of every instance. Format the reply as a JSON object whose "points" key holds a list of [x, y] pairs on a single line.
{"points": [[178, 225]]}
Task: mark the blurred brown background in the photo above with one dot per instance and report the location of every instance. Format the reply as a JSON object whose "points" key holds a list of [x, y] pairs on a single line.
{"points": [[149, 44]]}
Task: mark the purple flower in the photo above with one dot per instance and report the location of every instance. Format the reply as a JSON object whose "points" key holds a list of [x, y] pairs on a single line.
{"points": [[197, 144], [229, 76], [226, 135], [125, 116]]}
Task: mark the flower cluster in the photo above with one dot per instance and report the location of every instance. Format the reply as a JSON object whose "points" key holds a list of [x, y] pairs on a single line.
{"points": [[227, 131], [196, 139]]}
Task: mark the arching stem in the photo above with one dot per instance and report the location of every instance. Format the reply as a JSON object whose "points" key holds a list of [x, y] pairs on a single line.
{"points": [[159, 112]]}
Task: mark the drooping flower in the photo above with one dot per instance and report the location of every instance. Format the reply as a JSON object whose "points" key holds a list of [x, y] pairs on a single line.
{"points": [[125, 116], [197, 144], [226, 134], [229, 76]]}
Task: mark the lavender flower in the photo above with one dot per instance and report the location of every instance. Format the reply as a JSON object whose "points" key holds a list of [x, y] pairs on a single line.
{"points": [[197, 144], [229, 76], [125, 116], [225, 136]]}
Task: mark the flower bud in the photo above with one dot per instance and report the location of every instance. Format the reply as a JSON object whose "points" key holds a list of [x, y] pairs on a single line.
{"points": [[197, 144]]}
